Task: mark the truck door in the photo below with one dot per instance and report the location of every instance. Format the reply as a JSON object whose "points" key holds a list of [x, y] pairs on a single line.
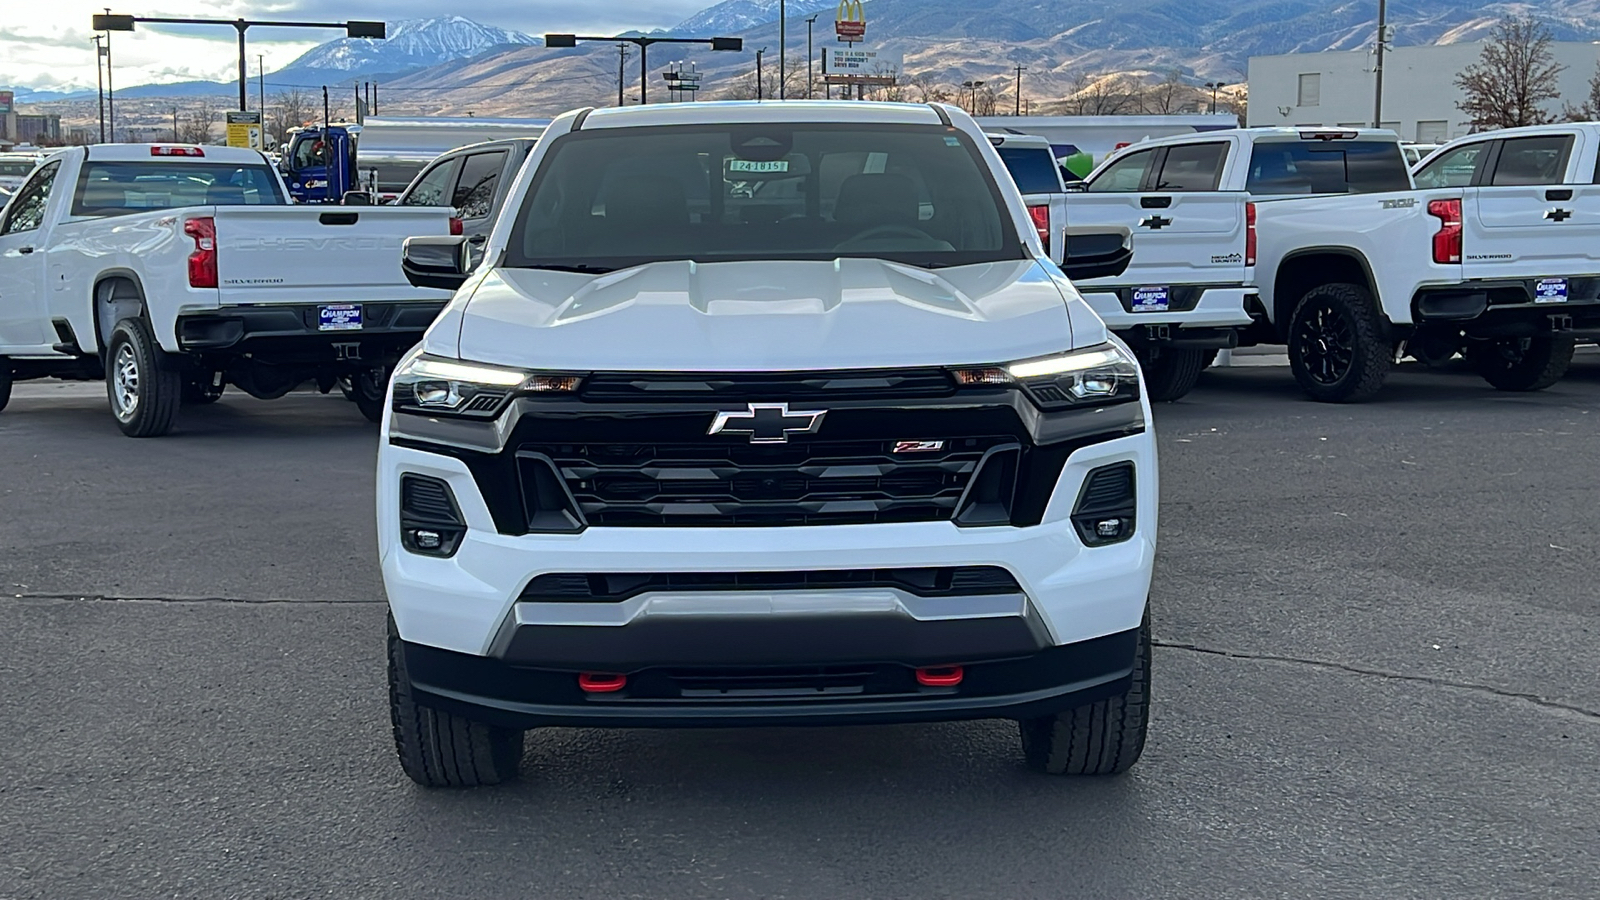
{"points": [[1523, 219], [22, 253], [1185, 231]]}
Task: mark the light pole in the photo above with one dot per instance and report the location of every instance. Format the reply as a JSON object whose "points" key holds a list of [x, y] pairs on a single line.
{"points": [[261, 84], [1377, 100], [109, 23], [783, 50], [811, 79], [973, 86], [760, 87], [1215, 86], [100, 86], [554, 41], [1017, 111]]}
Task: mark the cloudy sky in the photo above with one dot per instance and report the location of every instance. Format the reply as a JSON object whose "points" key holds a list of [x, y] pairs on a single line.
{"points": [[48, 47]]}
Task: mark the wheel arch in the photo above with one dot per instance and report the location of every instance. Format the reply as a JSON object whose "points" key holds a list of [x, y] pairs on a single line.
{"points": [[118, 294], [1310, 267]]}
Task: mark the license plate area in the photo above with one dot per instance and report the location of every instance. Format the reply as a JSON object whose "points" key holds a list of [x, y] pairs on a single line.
{"points": [[339, 317], [1551, 290], [1152, 299]]}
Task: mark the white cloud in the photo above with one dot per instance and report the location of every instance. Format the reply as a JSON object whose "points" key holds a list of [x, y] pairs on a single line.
{"points": [[50, 48]]}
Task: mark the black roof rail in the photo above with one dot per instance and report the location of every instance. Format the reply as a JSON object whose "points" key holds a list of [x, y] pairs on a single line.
{"points": [[582, 114], [944, 117]]}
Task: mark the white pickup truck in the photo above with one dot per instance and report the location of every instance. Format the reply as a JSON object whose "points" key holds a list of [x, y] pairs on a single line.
{"points": [[173, 271], [1492, 253]]}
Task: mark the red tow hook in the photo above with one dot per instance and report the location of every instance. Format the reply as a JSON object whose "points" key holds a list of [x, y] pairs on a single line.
{"points": [[940, 676], [601, 682]]}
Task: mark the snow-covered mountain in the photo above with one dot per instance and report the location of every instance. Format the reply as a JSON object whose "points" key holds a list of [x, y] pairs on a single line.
{"points": [[734, 16], [412, 44]]}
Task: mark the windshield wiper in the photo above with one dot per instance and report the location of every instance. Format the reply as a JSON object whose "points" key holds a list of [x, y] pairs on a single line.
{"points": [[582, 269]]}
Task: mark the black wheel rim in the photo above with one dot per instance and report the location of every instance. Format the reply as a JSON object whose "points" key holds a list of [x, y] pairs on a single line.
{"points": [[1326, 343]]}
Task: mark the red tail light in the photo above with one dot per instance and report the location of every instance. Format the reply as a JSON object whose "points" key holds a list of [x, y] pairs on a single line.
{"points": [[456, 226], [203, 261], [1041, 223], [1249, 234], [1447, 240]]}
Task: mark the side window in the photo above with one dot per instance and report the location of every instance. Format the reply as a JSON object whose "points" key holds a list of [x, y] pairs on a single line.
{"points": [[1532, 160], [474, 193], [1193, 167], [1451, 169], [1126, 174], [435, 186], [25, 212]]}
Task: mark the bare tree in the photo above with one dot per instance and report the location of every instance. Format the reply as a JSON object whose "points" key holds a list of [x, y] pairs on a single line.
{"points": [[926, 90], [1170, 95], [744, 87], [1514, 77], [1589, 110], [197, 125], [1236, 101], [985, 102], [1102, 95], [290, 109]]}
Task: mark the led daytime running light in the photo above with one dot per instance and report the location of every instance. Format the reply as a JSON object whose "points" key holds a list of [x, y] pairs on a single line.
{"points": [[426, 367], [1069, 362]]}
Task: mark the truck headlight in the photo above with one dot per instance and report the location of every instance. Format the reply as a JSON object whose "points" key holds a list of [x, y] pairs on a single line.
{"points": [[450, 386], [1094, 376]]}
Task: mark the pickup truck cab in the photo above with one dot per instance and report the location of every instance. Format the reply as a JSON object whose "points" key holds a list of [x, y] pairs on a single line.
{"points": [[173, 271], [1032, 165], [765, 413], [1186, 199], [474, 181]]}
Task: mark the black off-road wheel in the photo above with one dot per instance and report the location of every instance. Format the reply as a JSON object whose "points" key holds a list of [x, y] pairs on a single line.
{"points": [[369, 388], [144, 390], [1338, 349], [440, 749], [1101, 738], [5, 382], [1522, 364], [1170, 373]]}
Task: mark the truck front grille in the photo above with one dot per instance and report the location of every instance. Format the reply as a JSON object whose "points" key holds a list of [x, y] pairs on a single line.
{"points": [[723, 483]]}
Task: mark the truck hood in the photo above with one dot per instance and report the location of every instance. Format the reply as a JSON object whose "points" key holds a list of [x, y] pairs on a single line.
{"points": [[774, 316]]}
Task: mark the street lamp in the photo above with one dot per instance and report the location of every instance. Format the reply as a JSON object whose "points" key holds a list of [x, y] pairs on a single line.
{"points": [[643, 43], [760, 87], [973, 86], [811, 79], [783, 49], [109, 22], [1215, 86]]}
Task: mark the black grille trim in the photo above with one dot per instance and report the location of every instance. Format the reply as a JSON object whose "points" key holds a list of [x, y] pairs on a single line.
{"points": [[616, 587], [823, 386]]}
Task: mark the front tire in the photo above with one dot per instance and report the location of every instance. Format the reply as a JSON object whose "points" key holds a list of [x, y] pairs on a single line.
{"points": [[1523, 364], [144, 391], [1101, 738], [440, 749], [1338, 350], [1171, 373]]}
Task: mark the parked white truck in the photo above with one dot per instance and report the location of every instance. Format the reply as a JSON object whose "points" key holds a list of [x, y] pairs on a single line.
{"points": [[1492, 253], [173, 271]]}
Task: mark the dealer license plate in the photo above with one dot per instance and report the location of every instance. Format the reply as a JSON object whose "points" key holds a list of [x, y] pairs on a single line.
{"points": [[1151, 299], [1550, 290], [339, 317]]}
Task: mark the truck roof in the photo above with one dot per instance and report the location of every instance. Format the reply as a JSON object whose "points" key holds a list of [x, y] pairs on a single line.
{"points": [[143, 153], [757, 111], [1275, 133]]}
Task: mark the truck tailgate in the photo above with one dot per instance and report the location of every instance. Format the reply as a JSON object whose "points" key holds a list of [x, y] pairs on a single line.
{"points": [[320, 254], [1178, 238]]}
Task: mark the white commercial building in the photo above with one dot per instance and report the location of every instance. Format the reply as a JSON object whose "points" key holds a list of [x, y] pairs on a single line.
{"points": [[1419, 91]]}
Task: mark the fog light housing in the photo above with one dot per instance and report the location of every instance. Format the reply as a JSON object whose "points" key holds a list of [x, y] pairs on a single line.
{"points": [[430, 521], [1107, 506]]}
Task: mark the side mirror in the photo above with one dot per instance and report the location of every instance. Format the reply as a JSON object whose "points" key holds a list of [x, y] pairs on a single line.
{"points": [[1097, 254], [1077, 187], [436, 262], [357, 198]]}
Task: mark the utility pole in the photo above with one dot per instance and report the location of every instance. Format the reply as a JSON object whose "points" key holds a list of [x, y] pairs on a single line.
{"points": [[783, 50], [261, 84], [1017, 111], [622, 65], [810, 78], [325, 114], [760, 87], [174, 124], [1377, 100], [100, 86], [111, 103]]}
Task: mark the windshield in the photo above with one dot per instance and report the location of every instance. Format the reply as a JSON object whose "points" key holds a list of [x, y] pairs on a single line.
{"points": [[115, 188], [612, 198]]}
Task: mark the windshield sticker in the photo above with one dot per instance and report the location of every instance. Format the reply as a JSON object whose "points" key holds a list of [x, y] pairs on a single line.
{"points": [[753, 165]]}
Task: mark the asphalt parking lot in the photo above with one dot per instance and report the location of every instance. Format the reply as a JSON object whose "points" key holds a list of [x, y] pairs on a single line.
{"points": [[1379, 676]]}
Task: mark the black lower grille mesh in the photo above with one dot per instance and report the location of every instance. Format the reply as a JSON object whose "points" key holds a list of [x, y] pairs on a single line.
{"points": [[736, 483]]}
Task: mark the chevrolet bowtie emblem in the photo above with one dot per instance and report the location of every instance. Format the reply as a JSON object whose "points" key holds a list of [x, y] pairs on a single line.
{"points": [[768, 423]]}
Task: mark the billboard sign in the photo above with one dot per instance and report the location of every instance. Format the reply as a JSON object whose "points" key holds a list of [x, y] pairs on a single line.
{"points": [[850, 21], [244, 130], [7, 103], [864, 62]]}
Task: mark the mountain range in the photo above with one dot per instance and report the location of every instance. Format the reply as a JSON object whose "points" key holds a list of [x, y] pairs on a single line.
{"points": [[453, 65]]}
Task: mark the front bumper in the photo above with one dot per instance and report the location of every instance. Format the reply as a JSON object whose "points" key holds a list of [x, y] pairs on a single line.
{"points": [[518, 696], [293, 329]]}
